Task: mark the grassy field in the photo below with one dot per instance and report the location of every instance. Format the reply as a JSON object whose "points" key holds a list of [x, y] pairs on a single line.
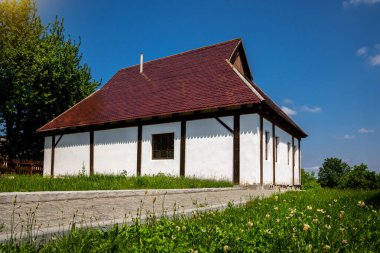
{"points": [[313, 221], [102, 182]]}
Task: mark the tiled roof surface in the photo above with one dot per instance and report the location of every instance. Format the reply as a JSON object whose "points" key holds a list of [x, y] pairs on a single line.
{"points": [[194, 80]]}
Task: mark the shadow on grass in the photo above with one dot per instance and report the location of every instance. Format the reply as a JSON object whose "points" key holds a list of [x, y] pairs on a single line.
{"points": [[374, 200]]}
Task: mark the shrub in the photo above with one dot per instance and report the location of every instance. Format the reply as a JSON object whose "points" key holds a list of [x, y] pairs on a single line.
{"points": [[331, 172], [360, 178], [309, 181]]}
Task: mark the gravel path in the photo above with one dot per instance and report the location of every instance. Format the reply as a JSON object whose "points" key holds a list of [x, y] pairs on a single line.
{"points": [[57, 215]]}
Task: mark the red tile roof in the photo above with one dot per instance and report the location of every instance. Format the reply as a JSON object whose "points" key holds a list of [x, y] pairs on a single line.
{"points": [[194, 80]]}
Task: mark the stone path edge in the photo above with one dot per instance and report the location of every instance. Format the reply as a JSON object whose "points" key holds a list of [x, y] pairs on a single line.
{"points": [[44, 196]]}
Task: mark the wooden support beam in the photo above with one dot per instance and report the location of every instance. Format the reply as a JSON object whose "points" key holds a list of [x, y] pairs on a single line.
{"points": [[225, 125], [91, 153], [261, 151], [274, 152], [293, 161], [183, 149], [52, 156], [139, 139], [236, 150], [299, 160]]}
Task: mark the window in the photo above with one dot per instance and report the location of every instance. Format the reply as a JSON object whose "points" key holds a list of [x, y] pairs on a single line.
{"points": [[277, 139], [266, 144], [289, 153], [163, 146]]}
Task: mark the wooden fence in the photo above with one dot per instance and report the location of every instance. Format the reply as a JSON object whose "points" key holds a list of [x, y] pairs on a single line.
{"points": [[24, 167]]}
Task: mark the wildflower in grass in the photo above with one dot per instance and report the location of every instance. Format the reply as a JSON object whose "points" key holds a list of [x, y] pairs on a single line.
{"points": [[287, 217], [374, 211], [321, 211], [193, 251], [309, 208], [237, 239], [278, 220], [178, 228], [275, 208], [284, 200], [268, 231], [341, 230], [250, 224], [173, 237], [328, 216], [226, 248], [341, 215], [267, 215], [326, 248], [315, 220], [335, 200], [306, 227], [354, 228], [276, 198], [328, 226], [309, 247], [344, 241], [361, 204]]}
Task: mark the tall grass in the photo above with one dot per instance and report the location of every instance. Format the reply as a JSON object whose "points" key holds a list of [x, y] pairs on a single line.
{"points": [[103, 182], [315, 221]]}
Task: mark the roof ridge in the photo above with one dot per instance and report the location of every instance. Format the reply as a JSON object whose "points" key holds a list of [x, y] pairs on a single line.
{"points": [[185, 52]]}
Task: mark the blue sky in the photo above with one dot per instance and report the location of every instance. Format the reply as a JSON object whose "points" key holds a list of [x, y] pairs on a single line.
{"points": [[319, 60]]}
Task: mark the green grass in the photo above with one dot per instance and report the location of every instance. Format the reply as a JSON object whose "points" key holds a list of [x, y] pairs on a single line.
{"points": [[314, 221], [21, 183]]}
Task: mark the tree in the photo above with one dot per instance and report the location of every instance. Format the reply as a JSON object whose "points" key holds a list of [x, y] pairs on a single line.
{"points": [[360, 178], [309, 181], [331, 172], [41, 75]]}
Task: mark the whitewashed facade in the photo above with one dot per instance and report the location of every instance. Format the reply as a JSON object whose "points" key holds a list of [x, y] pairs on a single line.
{"points": [[208, 151]]}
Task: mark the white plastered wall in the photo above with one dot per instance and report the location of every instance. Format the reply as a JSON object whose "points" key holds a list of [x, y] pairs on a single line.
{"points": [[284, 174], [72, 153], [268, 163], [209, 149], [166, 166], [115, 151], [296, 163], [250, 149], [47, 156]]}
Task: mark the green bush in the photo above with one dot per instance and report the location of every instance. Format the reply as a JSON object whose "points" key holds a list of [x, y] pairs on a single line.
{"points": [[309, 181], [359, 178]]}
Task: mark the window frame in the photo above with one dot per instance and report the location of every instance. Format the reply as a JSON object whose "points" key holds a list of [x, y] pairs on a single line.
{"points": [[155, 150]]}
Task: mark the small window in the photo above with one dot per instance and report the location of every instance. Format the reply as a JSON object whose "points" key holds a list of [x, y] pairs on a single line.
{"points": [[289, 153], [277, 139], [163, 146], [266, 144]]}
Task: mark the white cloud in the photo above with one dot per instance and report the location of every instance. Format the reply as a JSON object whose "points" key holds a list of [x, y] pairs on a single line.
{"points": [[348, 136], [311, 109], [365, 130], [375, 60], [288, 111], [362, 51], [349, 3], [288, 101]]}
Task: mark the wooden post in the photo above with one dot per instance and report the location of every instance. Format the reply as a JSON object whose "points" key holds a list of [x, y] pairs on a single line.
{"points": [[139, 138], [299, 160], [236, 150], [261, 151], [274, 152], [91, 153], [293, 153], [52, 156], [183, 149]]}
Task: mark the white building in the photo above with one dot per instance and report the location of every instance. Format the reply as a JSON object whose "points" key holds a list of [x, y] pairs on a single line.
{"points": [[198, 113]]}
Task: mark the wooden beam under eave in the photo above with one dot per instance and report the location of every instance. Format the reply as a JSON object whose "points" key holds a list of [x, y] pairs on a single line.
{"points": [[236, 150], [183, 149]]}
